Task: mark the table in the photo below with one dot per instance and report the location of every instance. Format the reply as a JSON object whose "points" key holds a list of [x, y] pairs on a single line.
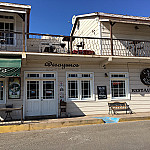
{"points": [[14, 109]]}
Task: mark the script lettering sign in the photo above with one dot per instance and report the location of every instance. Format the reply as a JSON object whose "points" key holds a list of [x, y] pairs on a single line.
{"points": [[62, 66]]}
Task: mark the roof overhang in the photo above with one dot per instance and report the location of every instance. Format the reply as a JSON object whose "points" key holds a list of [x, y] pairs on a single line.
{"points": [[16, 8], [15, 5], [13, 11], [114, 18], [124, 21]]}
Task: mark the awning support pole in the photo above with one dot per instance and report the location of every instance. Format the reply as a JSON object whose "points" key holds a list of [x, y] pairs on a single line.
{"points": [[111, 37]]}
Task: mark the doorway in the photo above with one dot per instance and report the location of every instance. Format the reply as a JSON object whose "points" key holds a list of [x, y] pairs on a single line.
{"points": [[41, 94]]}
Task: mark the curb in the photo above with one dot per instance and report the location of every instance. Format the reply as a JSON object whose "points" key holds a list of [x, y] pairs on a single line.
{"points": [[133, 119], [46, 125], [50, 125]]}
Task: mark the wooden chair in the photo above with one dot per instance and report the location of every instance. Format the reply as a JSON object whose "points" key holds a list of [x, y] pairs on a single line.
{"points": [[8, 112]]}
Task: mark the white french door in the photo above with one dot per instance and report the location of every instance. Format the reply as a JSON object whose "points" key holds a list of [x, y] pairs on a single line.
{"points": [[48, 101], [41, 97]]}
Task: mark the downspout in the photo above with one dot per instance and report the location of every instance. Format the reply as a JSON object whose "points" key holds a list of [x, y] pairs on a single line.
{"points": [[26, 31], [111, 36], [100, 34]]}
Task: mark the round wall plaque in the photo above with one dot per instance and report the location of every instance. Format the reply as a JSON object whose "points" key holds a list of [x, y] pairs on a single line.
{"points": [[145, 76]]}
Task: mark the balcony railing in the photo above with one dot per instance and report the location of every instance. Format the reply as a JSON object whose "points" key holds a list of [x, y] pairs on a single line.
{"points": [[45, 43]]}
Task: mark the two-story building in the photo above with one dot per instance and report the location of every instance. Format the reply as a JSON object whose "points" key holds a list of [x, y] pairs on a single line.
{"points": [[106, 58], [122, 44]]}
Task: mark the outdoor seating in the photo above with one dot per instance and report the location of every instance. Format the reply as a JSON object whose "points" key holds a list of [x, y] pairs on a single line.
{"points": [[8, 112], [119, 106], [51, 47]]}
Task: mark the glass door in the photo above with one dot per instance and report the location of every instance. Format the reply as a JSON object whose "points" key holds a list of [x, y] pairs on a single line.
{"points": [[40, 94], [48, 104], [33, 101]]}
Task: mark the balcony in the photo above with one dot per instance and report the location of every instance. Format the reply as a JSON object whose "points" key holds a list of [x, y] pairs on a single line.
{"points": [[58, 44]]}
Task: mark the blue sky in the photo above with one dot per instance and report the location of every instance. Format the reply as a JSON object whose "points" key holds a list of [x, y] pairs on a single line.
{"points": [[52, 16]]}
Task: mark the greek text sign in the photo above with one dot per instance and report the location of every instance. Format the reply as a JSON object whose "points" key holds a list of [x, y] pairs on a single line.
{"points": [[62, 66]]}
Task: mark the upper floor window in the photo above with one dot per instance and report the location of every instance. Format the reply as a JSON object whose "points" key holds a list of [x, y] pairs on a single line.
{"points": [[6, 17], [7, 38]]}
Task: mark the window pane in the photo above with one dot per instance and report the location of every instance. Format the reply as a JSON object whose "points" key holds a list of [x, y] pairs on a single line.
{"points": [[7, 27], [118, 88], [48, 89], [6, 17], [48, 75], [11, 35], [72, 75], [11, 17], [11, 26], [2, 26], [32, 75], [32, 89], [86, 92], [2, 38], [11, 41], [85, 75], [118, 75], [72, 89], [7, 40]]}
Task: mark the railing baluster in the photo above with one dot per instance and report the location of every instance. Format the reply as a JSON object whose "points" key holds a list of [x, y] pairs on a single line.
{"points": [[56, 44]]}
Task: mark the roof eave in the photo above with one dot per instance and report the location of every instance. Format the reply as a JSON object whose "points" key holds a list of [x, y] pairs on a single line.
{"points": [[147, 19], [15, 5]]}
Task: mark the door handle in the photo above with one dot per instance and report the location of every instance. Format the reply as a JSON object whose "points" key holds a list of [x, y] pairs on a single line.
{"points": [[41, 98]]}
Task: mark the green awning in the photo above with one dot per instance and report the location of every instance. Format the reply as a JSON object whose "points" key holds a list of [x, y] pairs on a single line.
{"points": [[10, 67]]}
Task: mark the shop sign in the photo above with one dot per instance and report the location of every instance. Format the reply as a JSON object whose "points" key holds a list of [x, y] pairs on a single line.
{"points": [[102, 92], [145, 76], [140, 90], [63, 66]]}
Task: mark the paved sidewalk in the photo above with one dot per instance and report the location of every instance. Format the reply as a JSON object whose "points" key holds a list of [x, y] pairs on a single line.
{"points": [[66, 122]]}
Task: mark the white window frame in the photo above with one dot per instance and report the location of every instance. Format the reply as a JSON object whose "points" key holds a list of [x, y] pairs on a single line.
{"points": [[10, 21], [126, 79], [79, 79]]}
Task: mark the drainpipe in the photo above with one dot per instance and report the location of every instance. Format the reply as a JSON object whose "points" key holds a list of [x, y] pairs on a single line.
{"points": [[100, 35], [23, 30], [111, 36]]}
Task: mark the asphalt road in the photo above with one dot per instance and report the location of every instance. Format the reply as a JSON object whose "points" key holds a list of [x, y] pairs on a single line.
{"points": [[120, 136]]}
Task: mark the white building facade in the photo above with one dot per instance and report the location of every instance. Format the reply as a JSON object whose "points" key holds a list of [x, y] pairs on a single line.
{"points": [[105, 59]]}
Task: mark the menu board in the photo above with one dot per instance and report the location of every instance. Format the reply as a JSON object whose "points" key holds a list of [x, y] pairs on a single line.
{"points": [[102, 92]]}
